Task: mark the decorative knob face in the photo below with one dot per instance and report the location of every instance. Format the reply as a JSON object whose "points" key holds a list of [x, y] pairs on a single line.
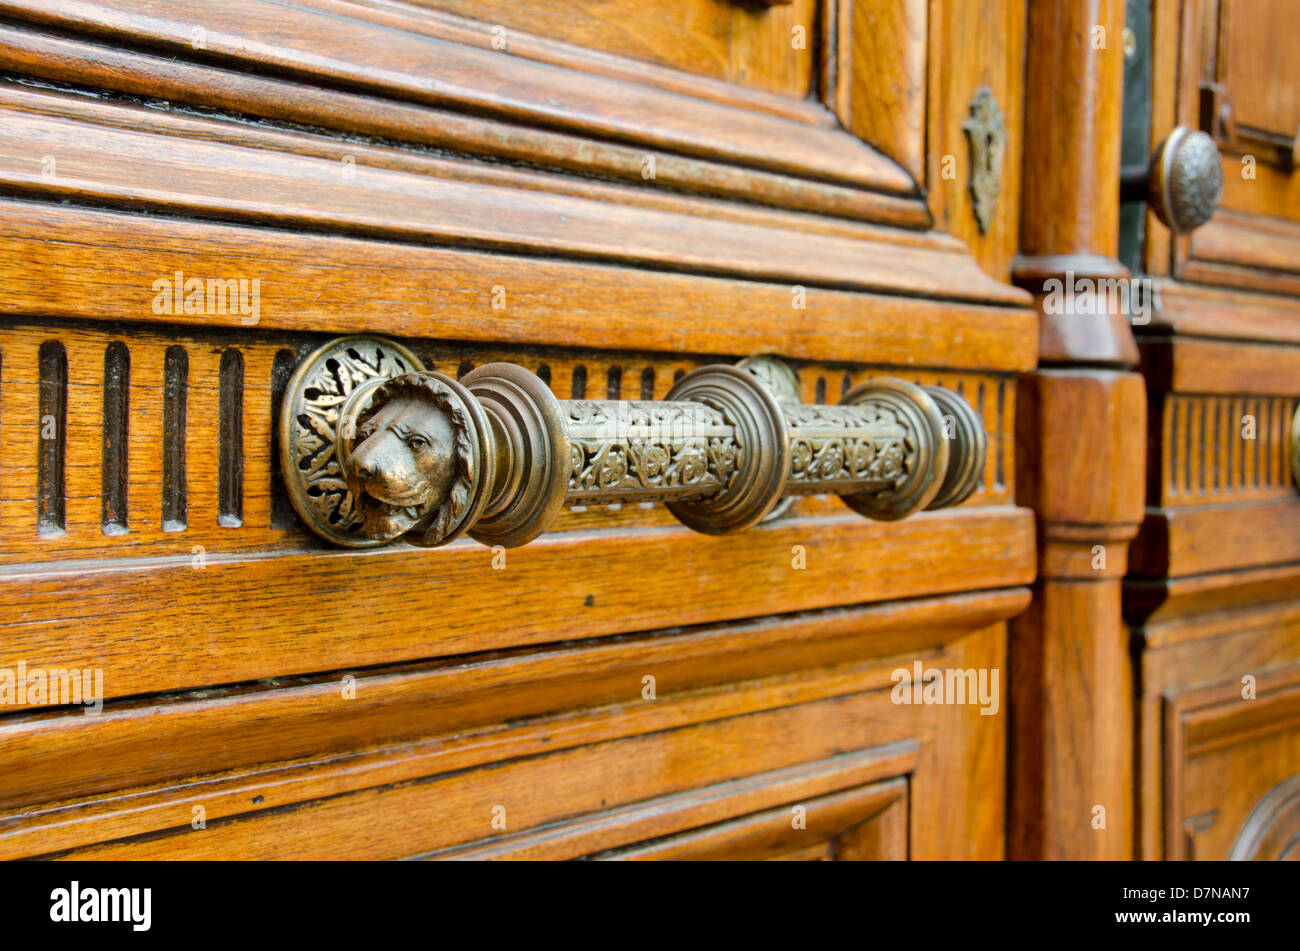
{"points": [[1186, 179], [410, 455], [310, 427]]}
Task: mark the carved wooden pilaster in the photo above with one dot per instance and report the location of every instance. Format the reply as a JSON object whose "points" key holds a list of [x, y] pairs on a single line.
{"points": [[1081, 433]]}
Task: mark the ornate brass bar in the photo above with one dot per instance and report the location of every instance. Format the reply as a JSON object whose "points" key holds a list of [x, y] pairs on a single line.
{"points": [[639, 451], [373, 448]]}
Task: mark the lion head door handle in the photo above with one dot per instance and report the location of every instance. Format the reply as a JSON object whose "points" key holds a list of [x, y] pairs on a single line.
{"points": [[374, 447]]}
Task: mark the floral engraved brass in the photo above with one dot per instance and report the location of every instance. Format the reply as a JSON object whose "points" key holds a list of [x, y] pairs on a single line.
{"points": [[842, 447], [375, 448], [646, 451], [988, 145]]}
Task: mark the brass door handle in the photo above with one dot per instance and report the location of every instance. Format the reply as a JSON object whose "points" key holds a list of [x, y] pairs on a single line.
{"points": [[1183, 183], [374, 447]]}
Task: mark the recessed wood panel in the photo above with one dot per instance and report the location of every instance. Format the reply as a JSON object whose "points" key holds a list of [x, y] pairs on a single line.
{"points": [[948, 751], [750, 44], [862, 824], [390, 52], [1223, 761], [877, 54], [1260, 70], [1217, 707]]}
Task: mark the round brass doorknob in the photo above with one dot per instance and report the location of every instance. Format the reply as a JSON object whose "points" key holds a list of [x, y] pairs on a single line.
{"points": [[1183, 182], [376, 448]]}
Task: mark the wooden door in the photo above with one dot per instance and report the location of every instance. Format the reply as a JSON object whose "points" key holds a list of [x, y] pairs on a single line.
{"points": [[199, 196], [1212, 591]]}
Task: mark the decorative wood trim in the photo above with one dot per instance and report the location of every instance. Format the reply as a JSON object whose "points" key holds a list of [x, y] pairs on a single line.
{"points": [[1195, 638], [1269, 831], [185, 735], [1221, 726], [1234, 238], [148, 808], [1166, 612], [1188, 541], [1186, 364], [849, 561], [869, 822], [1245, 250], [346, 285], [1205, 720], [184, 166], [1200, 609], [1205, 311], [1232, 275], [1199, 452]]}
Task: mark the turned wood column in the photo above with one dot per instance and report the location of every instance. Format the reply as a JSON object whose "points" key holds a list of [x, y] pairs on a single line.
{"points": [[1081, 437]]}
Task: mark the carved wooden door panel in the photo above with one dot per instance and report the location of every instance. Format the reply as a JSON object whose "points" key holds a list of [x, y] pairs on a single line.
{"points": [[200, 199]]}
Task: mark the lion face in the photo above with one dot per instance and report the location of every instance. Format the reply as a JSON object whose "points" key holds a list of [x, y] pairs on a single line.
{"points": [[403, 465]]}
